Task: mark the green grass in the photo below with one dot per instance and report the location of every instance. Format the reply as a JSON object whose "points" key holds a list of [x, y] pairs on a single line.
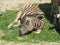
{"points": [[13, 33]]}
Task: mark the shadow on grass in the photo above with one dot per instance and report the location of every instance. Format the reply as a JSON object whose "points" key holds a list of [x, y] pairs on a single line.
{"points": [[46, 8], [0, 13]]}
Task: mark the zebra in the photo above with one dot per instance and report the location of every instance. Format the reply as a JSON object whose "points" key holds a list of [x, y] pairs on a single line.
{"points": [[27, 9], [31, 23]]}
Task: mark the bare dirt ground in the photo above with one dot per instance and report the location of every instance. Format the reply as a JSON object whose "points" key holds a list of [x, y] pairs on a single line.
{"points": [[8, 4], [2, 42], [14, 4]]}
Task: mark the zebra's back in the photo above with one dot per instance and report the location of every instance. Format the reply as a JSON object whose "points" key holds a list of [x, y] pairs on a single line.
{"points": [[30, 9]]}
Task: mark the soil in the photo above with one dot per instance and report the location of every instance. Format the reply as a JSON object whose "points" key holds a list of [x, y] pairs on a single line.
{"points": [[15, 4]]}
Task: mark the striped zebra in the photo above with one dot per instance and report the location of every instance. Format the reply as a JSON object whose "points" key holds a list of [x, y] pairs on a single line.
{"points": [[31, 23], [27, 9]]}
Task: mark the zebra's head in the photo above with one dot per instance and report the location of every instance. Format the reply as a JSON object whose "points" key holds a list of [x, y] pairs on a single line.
{"points": [[26, 26], [30, 23]]}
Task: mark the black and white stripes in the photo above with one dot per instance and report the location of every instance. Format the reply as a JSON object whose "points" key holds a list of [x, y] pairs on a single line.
{"points": [[27, 10]]}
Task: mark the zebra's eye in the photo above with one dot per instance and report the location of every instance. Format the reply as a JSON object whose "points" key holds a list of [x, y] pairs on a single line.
{"points": [[40, 17], [27, 22]]}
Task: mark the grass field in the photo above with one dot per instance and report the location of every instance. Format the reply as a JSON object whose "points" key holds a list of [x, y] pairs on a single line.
{"points": [[12, 34]]}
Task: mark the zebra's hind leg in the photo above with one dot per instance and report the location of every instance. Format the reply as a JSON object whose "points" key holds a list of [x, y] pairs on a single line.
{"points": [[38, 31]]}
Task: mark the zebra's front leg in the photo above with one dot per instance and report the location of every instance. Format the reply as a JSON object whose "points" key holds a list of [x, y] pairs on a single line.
{"points": [[15, 21], [11, 24], [18, 24], [38, 31], [40, 28]]}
